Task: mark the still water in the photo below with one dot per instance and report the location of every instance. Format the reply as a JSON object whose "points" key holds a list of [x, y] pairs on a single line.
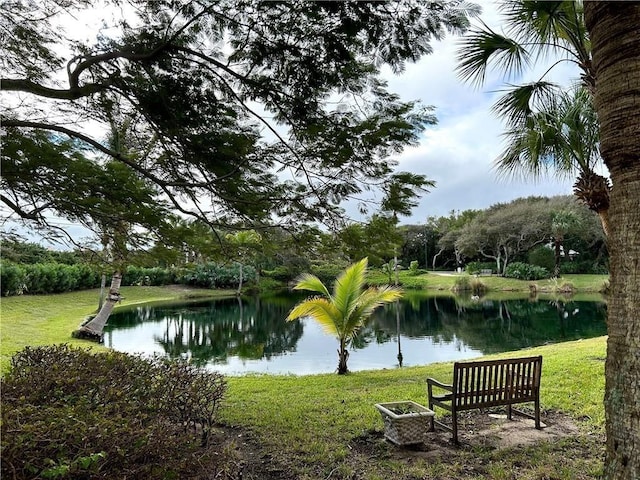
{"points": [[237, 336]]}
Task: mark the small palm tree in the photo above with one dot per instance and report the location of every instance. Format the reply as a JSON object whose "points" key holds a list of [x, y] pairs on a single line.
{"points": [[345, 311]]}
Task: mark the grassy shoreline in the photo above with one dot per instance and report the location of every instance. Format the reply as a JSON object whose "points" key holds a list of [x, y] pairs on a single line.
{"points": [[314, 427], [322, 417], [34, 320], [439, 282]]}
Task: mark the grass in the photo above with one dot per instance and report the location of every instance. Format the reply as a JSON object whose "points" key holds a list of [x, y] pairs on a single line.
{"points": [[438, 282], [325, 426], [49, 319], [311, 423]]}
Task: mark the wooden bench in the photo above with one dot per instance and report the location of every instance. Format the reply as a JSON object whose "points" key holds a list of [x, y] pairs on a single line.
{"points": [[488, 384]]}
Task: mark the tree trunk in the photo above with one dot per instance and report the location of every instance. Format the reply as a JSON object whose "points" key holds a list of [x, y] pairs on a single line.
{"points": [[604, 220], [557, 254], [396, 269], [399, 357], [240, 282], [103, 284], [343, 355], [433, 263], [93, 330], [615, 39]]}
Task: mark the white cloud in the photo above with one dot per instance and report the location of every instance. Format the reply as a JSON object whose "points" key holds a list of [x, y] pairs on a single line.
{"points": [[459, 152]]}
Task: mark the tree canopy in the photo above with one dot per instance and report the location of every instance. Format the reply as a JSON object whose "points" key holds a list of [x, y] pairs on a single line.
{"points": [[241, 110]]}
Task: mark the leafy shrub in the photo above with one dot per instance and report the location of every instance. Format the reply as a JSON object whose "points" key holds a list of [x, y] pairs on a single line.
{"points": [[525, 271], [474, 268], [566, 287], [154, 276], [542, 257], [74, 414], [281, 273], [12, 279], [582, 266], [413, 267], [462, 284], [45, 278], [477, 287], [213, 275], [469, 284], [88, 276]]}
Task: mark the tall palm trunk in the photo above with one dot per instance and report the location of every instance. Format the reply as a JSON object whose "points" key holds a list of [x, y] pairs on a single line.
{"points": [[615, 38], [93, 329]]}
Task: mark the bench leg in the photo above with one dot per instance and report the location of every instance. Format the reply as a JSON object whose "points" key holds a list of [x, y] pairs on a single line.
{"points": [[537, 410], [509, 412], [432, 425], [454, 426]]}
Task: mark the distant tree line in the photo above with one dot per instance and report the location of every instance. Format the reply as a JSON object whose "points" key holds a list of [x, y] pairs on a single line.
{"points": [[527, 231]]}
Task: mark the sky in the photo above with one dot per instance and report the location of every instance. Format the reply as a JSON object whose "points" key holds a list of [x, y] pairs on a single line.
{"points": [[459, 151]]}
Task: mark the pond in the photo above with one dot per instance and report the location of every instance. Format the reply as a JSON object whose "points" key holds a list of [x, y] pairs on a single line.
{"points": [[238, 336]]}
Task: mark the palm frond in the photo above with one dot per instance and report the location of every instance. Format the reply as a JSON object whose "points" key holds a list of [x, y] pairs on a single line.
{"points": [[581, 127], [559, 135], [368, 301], [310, 282], [482, 49], [348, 287], [519, 101], [321, 310]]}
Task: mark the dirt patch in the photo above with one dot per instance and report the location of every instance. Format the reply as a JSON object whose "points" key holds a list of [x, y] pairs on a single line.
{"points": [[249, 460], [488, 429]]}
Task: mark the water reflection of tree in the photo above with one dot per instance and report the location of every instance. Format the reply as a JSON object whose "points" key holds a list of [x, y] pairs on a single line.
{"points": [[215, 331], [255, 329], [496, 326]]}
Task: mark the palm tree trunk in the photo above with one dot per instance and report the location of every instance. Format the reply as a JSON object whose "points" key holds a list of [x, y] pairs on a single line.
{"points": [[103, 284], [343, 355], [613, 30], [93, 330]]}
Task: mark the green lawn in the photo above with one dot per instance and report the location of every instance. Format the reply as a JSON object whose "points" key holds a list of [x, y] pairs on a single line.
{"points": [[440, 281], [47, 319], [311, 423], [313, 427]]}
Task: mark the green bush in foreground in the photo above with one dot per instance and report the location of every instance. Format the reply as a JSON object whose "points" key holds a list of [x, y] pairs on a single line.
{"points": [[70, 413]]}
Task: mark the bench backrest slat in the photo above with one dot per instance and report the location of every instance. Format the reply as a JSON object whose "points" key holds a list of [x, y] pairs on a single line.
{"points": [[496, 382]]}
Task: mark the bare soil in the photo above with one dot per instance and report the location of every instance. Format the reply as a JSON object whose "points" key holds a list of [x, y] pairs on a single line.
{"points": [[484, 428], [478, 431]]}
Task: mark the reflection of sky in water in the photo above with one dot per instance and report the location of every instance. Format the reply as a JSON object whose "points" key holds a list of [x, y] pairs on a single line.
{"points": [[253, 337], [316, 351]]}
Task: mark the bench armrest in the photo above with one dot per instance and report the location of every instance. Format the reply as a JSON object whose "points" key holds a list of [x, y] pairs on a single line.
{"points": [[444, 386]]}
